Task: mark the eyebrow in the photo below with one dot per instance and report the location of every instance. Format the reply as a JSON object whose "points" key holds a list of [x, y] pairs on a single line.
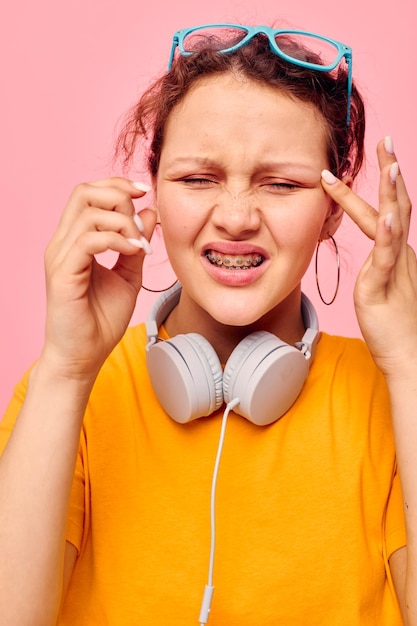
{"points": [[264, 165], [194, 160]]}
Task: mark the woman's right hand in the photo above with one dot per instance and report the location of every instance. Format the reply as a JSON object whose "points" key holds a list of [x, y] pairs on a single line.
{"points": [[88, 305]]}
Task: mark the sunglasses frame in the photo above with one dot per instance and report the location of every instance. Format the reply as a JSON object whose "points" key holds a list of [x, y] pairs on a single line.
{"points": [[343, 51]]}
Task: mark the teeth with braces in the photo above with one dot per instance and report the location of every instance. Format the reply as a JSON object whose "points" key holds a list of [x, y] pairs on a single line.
{"points": [[236, 263]]}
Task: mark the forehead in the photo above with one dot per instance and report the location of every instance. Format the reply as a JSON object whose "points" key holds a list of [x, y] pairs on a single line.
{"points": [[232, 112]]}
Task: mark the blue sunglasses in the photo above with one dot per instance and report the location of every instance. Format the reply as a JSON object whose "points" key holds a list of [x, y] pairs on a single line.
{"points": [[234, 36]]}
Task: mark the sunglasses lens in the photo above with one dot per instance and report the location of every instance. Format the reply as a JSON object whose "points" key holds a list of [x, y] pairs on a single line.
{"points": [[216, 37], [307, 48]]}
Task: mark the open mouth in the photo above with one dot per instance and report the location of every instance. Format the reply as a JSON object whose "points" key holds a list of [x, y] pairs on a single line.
{"points": [[234, 262]]}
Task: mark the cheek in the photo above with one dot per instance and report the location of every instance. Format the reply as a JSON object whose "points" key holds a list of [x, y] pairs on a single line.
{"points": [[179, 235], [181, 219], [176, 228], [297, 231]]}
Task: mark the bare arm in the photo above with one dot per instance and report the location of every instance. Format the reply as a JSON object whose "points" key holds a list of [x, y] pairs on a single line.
{"points": [[70, 559], [36, 472], [88, 310], [403, 395], [398, 566], [386, 306]]}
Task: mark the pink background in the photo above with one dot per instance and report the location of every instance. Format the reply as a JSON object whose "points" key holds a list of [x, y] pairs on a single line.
{"points": [[70, 69]]}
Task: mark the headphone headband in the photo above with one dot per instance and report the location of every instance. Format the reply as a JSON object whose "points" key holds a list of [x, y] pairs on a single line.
{"points": [[160, 310], [167, 301], [263, 375]]}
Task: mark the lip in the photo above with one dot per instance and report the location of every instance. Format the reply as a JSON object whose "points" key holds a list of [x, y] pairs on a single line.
{"points": [[235, 248], [234, 278]]}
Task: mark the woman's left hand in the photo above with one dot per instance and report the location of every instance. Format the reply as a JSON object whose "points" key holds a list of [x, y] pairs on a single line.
{"points": [[385, 293]]}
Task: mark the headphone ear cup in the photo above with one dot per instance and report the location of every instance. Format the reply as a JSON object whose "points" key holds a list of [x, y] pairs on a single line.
{"points": [[187, 376], [266, 374]]}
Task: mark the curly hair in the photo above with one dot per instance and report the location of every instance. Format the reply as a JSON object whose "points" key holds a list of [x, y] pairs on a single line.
{"points": [[146, 121]]}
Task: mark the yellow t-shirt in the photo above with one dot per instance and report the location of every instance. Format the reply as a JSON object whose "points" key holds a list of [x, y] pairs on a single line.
{"points": [[308, 509]]}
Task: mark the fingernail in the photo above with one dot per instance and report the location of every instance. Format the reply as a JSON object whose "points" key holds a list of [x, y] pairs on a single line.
{"points": [[140, 243], [388, 221], [328, 177], [393, 172], [146, 245], [141, 186], [135, 242], [389, 145], [138, 222]]}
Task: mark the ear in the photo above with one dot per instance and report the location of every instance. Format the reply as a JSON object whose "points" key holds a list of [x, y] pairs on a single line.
{"points": [[335, 214]]}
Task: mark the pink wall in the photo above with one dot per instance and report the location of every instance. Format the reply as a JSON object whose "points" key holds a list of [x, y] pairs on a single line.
{"points": [[70, 69]]}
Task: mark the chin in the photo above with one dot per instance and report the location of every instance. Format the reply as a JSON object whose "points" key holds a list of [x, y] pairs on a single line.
{"points": [[233, 306], [230, 316]]}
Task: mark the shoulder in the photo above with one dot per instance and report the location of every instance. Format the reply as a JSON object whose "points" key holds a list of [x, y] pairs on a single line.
{"points": [[121, 375], [8, 420], [350, 352], [129, 352], [346, 365], [342, 345]]}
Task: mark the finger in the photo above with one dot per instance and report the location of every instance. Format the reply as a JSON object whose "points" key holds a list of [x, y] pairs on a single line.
{"points": [[400, 210], [137, 187], [130, 266], [386, 156], [379, 267], [114, 194], [358, 210], [385, 152], [148, 218], [96, 219], [404, 202], [79, 258], [389, 205]]}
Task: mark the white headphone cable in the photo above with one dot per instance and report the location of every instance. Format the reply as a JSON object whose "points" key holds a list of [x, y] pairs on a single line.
{"points": [[209, 588]]}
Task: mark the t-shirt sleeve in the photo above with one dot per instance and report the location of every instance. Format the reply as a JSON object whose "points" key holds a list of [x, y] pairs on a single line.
{"points": [[395, 535], [9, 418], [76, 510]]}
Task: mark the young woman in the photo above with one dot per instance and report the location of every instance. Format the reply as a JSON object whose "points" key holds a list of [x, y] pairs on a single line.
{"points": [[108, 506]]}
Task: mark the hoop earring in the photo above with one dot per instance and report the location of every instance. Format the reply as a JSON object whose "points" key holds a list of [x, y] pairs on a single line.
{"points": [[338, 271], [159, 290]]}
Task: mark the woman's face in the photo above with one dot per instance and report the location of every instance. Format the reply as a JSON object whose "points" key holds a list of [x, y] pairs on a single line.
{"points": [[239, 196]]}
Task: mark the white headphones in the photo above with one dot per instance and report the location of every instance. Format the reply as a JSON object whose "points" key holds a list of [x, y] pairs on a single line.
{"points": [[263, 372]]}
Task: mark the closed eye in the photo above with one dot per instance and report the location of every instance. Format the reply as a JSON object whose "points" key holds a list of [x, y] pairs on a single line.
{"points": [[282, 186], [198, 181]]}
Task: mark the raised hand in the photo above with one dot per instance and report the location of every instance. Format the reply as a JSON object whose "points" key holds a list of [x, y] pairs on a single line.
{"points": [[386, 288], [89, 306]]}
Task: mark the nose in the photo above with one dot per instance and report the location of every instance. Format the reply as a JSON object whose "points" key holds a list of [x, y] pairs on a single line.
{"points": [[237, 212]]}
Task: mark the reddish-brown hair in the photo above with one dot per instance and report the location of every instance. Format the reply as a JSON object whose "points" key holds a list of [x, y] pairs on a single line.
{"points": [[145, 123]]}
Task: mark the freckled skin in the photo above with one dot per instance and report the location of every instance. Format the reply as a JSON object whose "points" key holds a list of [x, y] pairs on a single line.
{"points": [[240, 173]]}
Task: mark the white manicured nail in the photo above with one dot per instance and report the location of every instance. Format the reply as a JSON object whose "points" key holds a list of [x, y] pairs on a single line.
{"points": [[328, 177], [388, 221], [135, 242], [389, 145], [142, 186], [141, 243], [138, 222], [146, 245], [393, 172]]}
